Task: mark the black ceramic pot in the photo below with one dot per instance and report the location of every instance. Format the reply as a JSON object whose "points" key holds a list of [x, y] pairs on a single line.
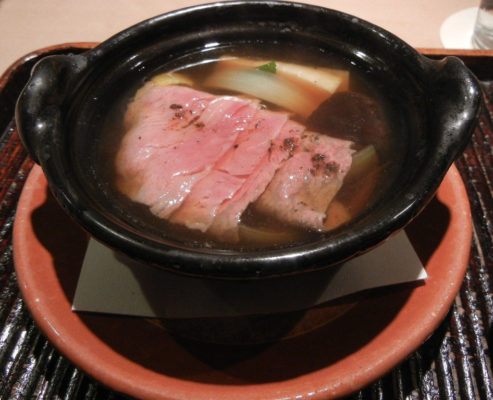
{"points": [[434, 104]]}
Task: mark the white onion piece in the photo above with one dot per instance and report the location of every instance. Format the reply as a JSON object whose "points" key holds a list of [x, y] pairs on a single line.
{"points": [[265, 86]]}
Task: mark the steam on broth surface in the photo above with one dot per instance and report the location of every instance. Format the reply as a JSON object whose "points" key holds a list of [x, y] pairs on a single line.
{"points": [[337, 116]]}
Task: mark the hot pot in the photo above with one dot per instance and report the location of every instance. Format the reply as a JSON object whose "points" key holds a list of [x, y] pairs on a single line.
{"points": [[60, 110]]}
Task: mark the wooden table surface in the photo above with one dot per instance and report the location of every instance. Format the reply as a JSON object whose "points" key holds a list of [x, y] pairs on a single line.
{"points": [[27, 25]]}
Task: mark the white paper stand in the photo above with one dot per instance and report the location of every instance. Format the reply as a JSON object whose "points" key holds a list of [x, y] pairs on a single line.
{"points": [[111, 284]]}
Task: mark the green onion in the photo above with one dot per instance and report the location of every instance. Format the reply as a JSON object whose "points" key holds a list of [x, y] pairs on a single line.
{"points": [[269, 67]]}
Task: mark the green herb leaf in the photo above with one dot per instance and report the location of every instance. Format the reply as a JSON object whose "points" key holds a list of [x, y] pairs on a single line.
{"points": [[269, 67]]}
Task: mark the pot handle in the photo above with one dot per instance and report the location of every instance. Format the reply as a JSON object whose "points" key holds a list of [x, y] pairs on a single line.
{"points": [[456, 101], [38, 108]]}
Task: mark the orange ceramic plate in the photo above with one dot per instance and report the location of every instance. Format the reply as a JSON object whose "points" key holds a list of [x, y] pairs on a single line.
{"points": [[137, 357]]}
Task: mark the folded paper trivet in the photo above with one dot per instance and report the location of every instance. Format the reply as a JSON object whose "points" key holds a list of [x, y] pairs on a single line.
{"points": [[110, 283]]}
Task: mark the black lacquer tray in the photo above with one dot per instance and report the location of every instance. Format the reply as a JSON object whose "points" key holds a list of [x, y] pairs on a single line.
{"points": [[453, 363]]}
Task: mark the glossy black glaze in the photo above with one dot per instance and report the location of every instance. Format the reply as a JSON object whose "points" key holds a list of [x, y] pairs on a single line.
{"points": [[438, 100]]}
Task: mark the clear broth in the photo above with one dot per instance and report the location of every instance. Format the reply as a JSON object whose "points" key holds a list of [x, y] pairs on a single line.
{"points": [[359, 200]]}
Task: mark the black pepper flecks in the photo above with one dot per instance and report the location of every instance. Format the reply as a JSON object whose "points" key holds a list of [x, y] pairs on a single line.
{"points": [[193, 121], [289, 145], [331, 168], [318, 161]]}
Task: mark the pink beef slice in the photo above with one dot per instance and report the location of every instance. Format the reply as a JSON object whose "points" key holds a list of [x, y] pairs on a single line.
{"points": [[199, 209], [228, 216], [176, 136], [148, 118], [306, 183], [200, 160]]}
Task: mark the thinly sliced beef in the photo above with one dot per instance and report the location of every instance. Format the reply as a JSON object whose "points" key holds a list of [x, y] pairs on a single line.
{"points": [[230, 172], [166, 173], [200, 160], [225, 225], [200, 207], [306, 183], [155, 119]]}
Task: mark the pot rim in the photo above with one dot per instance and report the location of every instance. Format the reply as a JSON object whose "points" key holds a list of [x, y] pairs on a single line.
{"points": [[262, 263]]}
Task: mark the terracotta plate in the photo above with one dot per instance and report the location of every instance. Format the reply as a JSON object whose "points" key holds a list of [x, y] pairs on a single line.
{"points": [[137, 357]]}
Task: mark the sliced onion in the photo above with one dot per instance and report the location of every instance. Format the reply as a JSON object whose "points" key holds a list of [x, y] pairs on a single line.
{"points": [[171, 79], [337, 214], [364, 161], [265, 86]]}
